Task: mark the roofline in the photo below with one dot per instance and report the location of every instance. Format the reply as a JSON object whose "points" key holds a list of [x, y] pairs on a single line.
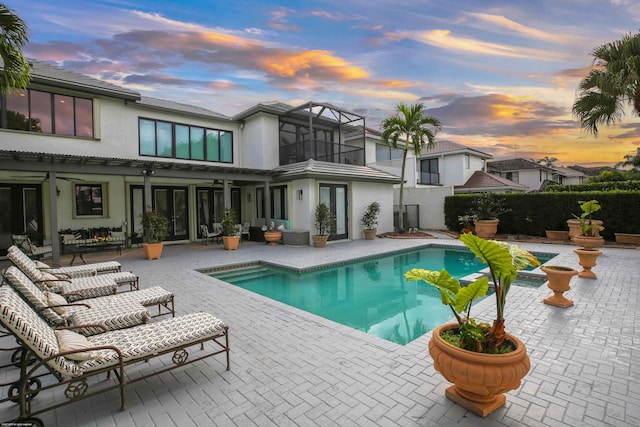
{"points": [[459, 151], [139, 103]]}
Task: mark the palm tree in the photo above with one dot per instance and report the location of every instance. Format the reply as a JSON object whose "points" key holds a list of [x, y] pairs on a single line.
{"points": [[612, 82], [631, 160], [547, 161], [16, 72], [410, 124]]}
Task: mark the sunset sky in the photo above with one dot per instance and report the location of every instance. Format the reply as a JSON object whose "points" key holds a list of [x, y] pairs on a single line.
{"points": [[500, 75]]}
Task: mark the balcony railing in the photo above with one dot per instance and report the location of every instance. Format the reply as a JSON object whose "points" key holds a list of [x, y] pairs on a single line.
{"points": [[321, 150]]}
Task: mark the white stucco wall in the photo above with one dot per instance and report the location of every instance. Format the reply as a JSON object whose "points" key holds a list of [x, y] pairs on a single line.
{"points": [[362, 194], [431, 203], [259, 145]]}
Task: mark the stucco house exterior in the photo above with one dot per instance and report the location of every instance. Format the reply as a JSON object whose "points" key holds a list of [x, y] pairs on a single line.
{"points": [[77, 152], [533, 175]]}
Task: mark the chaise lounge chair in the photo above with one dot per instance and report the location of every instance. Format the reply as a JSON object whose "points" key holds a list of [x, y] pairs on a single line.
{"points": [[76, 361], [71, 272], [75, 288], [23, 242], [79, 312], [110, 313]]}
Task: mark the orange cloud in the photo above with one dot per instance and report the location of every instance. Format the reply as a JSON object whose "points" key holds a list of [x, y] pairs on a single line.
{"points": [[290, 64]]}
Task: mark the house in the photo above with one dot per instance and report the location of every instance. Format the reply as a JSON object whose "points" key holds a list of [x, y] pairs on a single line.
{"points": [[483, 182], [522, 171], [77, 152], [429, 177]]}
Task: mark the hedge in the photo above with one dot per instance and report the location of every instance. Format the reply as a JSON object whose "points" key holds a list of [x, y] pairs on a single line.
{"points": [[533, 213], [597, 186]]}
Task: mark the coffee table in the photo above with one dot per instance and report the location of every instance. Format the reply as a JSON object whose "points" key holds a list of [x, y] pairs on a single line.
{"points": [[80, 250]]}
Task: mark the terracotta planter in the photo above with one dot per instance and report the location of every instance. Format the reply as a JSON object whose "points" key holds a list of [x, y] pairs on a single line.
{"points": [[574, 227], [559, 278], [479, 380], [467, 230], [320, 241], [557, 235], [587, 261], [152, 250], [370, 234], [486, 228], [273, 237], [231, 242], [588, 242], [633, 239]]}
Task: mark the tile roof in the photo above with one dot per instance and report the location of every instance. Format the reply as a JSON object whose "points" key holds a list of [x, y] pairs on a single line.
{"points": [[568, 171], [444, 146], [162, 104], [514, 165], [317, 169], [42, 72], [482, 180]]}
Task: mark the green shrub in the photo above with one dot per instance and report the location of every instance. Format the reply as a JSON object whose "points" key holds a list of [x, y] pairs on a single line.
{"points": [[533, 213]]}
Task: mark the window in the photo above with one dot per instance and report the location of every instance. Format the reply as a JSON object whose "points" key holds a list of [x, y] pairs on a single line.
{"points": [[513, 176], [429, 171], [467, 161], [46, 112], [165, 139], [89, 200], [278, 202], [385, 153]]}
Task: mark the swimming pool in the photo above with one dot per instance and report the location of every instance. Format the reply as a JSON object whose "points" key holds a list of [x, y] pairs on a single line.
{"points": [[370, 295]]}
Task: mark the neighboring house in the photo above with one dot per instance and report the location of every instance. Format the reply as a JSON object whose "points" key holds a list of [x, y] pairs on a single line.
{"points": [[592, 171], [568, 176], [77, 152], [429, 177], [522, 171]]}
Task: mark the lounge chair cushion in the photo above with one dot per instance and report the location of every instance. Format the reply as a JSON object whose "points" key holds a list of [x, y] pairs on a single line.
{"points": [[69, 340]]}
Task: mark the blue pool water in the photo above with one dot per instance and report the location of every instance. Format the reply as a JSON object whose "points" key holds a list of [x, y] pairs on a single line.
{"points": [[370, 295]]}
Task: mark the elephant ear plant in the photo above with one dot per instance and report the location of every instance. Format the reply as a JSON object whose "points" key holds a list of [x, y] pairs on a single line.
{"points": [[504, 261]]}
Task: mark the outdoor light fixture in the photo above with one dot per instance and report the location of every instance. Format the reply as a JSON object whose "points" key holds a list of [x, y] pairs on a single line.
{"points": [[299, 194], [148, 172]]}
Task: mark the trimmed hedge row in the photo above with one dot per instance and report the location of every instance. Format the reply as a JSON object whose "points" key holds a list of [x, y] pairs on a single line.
{"points": [[597, 186], [533, 213]]}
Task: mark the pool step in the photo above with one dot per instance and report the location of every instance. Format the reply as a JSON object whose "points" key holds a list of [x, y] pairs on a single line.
{"points": [[243, 274]]}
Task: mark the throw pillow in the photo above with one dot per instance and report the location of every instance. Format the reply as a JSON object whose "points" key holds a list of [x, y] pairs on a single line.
{"points": [[69, 340], [56, 299]]}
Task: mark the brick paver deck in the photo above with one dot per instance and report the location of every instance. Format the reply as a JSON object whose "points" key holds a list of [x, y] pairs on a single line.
{"points": [[291, 368]]}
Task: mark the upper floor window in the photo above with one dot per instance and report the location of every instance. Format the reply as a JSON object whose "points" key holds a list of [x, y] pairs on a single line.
{"points": [[166, 139], [386, 153], [513, 176], [429, 171], [467, 161], [45, 112]]}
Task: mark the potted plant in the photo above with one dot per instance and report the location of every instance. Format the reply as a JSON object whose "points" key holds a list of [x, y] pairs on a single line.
{"points": [[559, 278], [230, 230], [589, 235], [324, 223], [486, 210], [273, 234], [370, 220], [481, 360], [466, 221], [157, 226]]}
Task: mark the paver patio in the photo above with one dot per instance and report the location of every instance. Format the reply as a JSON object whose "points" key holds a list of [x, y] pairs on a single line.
{"points": [[289, 367]]}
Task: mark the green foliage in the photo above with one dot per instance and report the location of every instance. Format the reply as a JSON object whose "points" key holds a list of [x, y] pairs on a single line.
{"points": [[606, 184], [504, 261], [16, 72], [587, 227], [533, 213], [156, 224], [324, 220], [229, 223], [370, 217], [489, 206]]}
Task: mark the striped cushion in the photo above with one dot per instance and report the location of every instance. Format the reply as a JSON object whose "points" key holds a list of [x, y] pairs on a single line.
{"points": [[147, 296], [89, 287], [112, 314], [146, 340]]}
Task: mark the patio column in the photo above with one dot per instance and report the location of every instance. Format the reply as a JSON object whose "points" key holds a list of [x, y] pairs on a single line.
{"points": [[53, 219], [267, 204]]}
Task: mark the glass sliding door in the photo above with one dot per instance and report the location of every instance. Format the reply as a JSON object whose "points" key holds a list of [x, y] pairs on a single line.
{"points": [[335, 196]]}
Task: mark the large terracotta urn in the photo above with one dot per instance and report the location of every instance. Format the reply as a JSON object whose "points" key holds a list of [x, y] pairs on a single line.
{"points": [[273, 237], [559, 278], [479, 380], [486, 228], [587, 259]]}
